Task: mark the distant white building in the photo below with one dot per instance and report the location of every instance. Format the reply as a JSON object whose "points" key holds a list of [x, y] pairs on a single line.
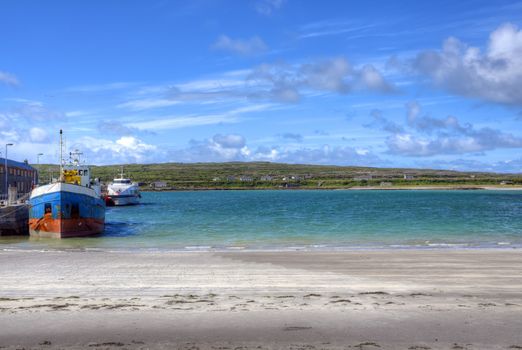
{"points": [[158, 184], [363, 177], [246, 178], [266, 178], [409, 177]]}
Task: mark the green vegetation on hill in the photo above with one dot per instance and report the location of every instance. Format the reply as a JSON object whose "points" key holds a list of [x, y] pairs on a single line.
{"points": [[261, 175]]}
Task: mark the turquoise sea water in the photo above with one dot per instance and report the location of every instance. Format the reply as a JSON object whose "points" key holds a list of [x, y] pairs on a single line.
{"points": [[289, 220]]}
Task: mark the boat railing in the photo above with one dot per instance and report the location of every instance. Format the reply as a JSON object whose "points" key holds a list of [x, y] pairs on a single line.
{"points": [[13, 198]]}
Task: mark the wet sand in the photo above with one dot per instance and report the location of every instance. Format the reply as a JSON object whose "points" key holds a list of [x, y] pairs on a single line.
{"points": [[401, 299]]}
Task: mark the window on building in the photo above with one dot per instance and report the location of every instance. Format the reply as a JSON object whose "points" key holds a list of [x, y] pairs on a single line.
{"points": [[47, 208]]}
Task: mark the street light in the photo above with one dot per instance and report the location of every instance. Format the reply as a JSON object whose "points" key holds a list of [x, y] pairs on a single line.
{"points": [[37, 167], [6, 176]]}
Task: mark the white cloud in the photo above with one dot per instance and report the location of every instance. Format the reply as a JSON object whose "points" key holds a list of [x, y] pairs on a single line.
{"points": [[229, 147], [233, 147], [229, 141], [127, 149], [9, 79], [10, 135], [287, 83], [36, 111], [267, 7], [38, 135], [425, 136], [282, 82], [372, 79], [326, 154], [494, 75], [249, 46]]}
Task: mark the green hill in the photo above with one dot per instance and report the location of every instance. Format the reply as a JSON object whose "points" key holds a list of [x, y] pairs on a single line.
{"points": [[276, 175]]}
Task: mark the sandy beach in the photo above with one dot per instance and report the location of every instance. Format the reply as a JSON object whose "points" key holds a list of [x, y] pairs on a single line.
{"points": [[400, 299]]}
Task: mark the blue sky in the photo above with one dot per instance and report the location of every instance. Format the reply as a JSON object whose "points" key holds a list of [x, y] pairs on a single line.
{"points": [[374, 83]]}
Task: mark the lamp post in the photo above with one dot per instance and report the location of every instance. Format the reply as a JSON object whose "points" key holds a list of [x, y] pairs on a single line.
{"points": [[37, 168], [5, 163]]}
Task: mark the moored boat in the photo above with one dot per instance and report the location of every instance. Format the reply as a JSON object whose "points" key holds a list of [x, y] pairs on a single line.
{"points": [[122, 191], [71, 207]]}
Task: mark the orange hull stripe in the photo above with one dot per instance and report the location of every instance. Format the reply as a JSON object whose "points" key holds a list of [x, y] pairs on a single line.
{"points": [[49, 227]]}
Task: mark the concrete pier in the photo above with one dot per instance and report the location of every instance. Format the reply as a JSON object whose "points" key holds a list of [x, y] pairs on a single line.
{"points": [[14, 215], [14, 220]]}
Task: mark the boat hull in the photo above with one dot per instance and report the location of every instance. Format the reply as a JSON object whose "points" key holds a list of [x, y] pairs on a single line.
{"points": [[65, 210], [125, 200]]}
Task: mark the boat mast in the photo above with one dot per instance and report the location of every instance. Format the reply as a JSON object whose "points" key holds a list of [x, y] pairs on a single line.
{"points": [[61, 156]]}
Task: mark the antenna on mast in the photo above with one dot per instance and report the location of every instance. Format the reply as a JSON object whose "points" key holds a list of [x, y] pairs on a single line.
{"points": [[61, 155]]}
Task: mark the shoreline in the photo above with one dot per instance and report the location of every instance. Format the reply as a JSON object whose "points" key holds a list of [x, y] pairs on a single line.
{"points": [[314, 248], [393, 299], [355, 188]]}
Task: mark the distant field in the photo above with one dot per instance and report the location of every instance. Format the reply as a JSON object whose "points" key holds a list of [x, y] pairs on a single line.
{"points": [[265, 175]]}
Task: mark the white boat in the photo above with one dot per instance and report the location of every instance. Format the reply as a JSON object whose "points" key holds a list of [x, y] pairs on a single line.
{"points": [[122, 191]]}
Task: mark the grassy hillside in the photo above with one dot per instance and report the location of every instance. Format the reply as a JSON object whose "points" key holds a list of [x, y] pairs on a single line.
{"points": [[276, 175]]}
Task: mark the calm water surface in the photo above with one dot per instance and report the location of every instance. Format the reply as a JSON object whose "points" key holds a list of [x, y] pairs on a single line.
{"points": [[224, 220]]}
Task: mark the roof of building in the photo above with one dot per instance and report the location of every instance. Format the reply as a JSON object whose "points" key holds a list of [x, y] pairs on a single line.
{"points": [[12, 164]]}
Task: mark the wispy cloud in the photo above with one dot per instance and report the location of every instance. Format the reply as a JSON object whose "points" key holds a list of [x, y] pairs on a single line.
{"points": [[267, 7], [292, 136], [176, 122], [251, 46], [9, 79], [102, 87], [77, 113], [147, 103], [332, 27]]}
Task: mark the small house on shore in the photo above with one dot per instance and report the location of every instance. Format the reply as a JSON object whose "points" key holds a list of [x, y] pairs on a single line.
{"points": [[158, 184], [365, 177]]}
